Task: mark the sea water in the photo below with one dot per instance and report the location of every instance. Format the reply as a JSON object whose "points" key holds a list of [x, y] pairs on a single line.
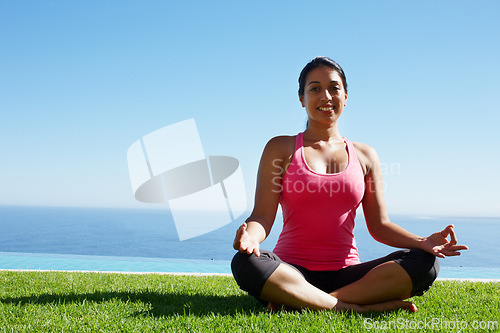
{"points": [[99, 239]]}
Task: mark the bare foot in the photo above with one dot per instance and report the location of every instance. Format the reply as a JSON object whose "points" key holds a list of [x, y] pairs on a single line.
{"points": [[384, 306], [392, 305], [343, 306], [272, 307]]}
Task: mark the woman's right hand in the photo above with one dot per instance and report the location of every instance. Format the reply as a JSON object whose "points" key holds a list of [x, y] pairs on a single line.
{"points": [[244, 242]]}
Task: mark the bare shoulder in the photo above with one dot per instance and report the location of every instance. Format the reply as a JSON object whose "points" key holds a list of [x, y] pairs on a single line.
{"points": [[365, 150], [280, 146], [278, 153], [367, 156]]}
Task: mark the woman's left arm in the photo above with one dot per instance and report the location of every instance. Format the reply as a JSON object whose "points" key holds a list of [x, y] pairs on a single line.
{"points": [[377, 219]]}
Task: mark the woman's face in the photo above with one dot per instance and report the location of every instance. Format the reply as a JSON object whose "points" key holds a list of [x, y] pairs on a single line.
{"points": [[324, 95]]}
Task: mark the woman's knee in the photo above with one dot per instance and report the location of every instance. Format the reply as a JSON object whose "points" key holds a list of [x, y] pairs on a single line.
{"points": [[252, 272], [423, 269], [240, 266]]}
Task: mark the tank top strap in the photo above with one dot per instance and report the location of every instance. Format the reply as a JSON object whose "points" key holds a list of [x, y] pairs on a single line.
{"points": [[351, 151], [299, 141], [297, 155]]}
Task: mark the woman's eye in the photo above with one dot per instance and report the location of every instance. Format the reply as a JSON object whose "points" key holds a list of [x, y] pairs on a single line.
{"points": [[314, 89]]}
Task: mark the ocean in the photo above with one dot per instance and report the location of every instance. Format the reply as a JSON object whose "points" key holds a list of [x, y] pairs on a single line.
{"points": [[104, 239]]}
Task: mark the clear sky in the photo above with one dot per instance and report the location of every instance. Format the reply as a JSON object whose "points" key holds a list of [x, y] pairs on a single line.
{"points": [[80, 81]]}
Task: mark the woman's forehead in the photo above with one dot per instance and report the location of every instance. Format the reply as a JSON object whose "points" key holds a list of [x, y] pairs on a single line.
{"points": [[323, 73]]}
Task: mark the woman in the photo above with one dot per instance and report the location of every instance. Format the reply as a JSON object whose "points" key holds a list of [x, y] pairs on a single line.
{"points": [[320, 178]]}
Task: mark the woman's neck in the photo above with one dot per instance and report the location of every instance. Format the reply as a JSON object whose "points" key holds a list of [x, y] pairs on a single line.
{"points": [[322, 132]]}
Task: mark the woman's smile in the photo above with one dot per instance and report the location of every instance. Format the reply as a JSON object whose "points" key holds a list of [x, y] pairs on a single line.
{"points": [[327, 109]]}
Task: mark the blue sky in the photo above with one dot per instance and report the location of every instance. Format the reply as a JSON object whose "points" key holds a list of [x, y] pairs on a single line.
{"points": [[80, 81]]}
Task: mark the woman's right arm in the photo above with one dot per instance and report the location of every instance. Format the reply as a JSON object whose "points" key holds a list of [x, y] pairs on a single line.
{"points": [[267, 195]]}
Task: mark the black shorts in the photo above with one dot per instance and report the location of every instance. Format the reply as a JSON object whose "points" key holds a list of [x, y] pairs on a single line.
{"points": [[251, 272]]}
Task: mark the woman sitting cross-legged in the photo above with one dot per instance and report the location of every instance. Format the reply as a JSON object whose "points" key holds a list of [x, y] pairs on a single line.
{"points": [[320, 178]]}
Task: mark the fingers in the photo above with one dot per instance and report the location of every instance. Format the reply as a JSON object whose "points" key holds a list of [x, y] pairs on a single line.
{"points": [[250, 250], [237, 238], [243, 243], [446, 231], [240, 230], [439, 254], [436, 250], [450, 253], [453, 250], [453, 236], [448, 250]]}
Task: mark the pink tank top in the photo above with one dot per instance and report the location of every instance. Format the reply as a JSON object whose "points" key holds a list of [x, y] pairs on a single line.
{"points": [[318, 213]]}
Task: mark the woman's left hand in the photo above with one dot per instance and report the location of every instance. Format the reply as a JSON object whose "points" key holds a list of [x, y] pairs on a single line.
{"points": [[439, 245]]}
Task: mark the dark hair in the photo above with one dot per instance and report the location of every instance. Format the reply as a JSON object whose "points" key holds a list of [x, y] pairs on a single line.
{"points": [[318, 62]]}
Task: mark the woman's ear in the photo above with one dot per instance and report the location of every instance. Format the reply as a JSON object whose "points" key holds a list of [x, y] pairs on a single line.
{"points": [[301, 99]]}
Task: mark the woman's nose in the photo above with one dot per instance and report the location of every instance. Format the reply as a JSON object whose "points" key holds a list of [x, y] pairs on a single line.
{"points": [[326, 95]]}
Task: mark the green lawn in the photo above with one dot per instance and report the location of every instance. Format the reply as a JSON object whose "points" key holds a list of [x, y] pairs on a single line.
{"points": [[102, 302]]}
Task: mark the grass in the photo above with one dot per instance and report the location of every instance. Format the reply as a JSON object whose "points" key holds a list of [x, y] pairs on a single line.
{"points": [[101, 302]]}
